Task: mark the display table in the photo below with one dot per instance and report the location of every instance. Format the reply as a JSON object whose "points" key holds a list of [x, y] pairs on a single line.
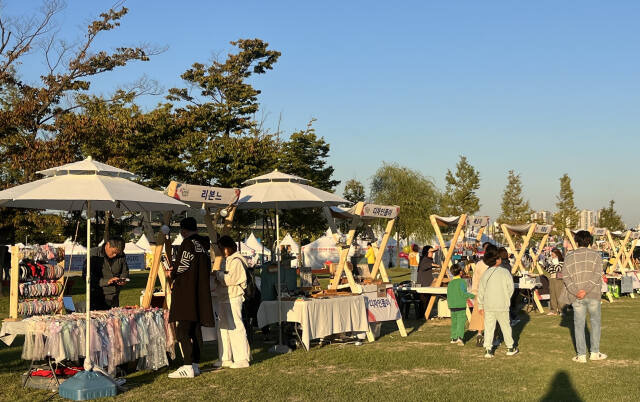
{"points": [[11, 329], [318, 317]]}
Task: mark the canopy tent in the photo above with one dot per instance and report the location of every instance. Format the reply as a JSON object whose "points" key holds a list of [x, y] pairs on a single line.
{"points": [[135, 255], [247, 252], [323, 249], [277, 190], [288, 241], [88, 186], [253, 242], [143, 242]]}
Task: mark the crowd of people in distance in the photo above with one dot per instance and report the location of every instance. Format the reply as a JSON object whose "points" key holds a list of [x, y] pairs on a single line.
{"points": [[575, 280]]}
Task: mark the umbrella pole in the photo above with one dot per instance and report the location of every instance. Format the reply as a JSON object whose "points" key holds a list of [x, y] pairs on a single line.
{"points": [[279, 348], [87, 336]]}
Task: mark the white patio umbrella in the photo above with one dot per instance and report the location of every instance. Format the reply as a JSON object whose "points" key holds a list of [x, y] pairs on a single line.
{"points": [[90, 186], [277, 190]]}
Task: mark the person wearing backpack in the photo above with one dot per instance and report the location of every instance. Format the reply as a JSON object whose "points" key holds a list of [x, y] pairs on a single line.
{"points": [[229, 294]]}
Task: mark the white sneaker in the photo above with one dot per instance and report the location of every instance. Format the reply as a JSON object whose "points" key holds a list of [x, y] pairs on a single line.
{"points": [[597, 356], [460, 342], [183, 372], [242, 364], [218, 363], [580, 359], [196, 369]]}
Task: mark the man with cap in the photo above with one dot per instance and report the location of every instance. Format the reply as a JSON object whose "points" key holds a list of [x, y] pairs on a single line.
{"points": [[191, 296]]}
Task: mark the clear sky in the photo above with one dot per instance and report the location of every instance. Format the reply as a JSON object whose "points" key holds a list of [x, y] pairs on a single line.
{"points": [[541, 87]]}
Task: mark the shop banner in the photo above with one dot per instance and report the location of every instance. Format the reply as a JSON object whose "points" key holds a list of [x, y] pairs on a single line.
{"points": [[381, 307]]}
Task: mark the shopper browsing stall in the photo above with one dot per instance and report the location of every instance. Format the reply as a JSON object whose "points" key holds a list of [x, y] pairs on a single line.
{"points": [[230, 285], [191, 296], [109, 272]]}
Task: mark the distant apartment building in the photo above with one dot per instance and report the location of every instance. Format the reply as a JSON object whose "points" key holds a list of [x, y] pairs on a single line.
{"points": [[587, 219], [542, 216]]}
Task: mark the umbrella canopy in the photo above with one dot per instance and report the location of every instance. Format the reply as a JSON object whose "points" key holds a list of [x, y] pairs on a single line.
{"points": [[284, 191], [88, 185], [69, 187]]}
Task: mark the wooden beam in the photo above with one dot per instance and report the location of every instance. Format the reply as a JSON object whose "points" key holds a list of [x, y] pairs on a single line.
{"points": [[447, 260], [569, 235], [378, 265], [536, 256], [525, 243], [153, 273], [344, 253], [14, 289]]}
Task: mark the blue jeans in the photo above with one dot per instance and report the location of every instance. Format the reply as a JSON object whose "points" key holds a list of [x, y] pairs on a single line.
{"points": [[414, 274], [580, 308]]}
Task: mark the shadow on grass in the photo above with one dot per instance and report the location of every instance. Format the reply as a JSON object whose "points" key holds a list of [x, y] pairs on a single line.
{"points": [[561, 389]]}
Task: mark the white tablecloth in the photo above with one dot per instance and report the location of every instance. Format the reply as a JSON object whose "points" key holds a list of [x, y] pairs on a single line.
{"points": [[10, 329], [318, 317]]}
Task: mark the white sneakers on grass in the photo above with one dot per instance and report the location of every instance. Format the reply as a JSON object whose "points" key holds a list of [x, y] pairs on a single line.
{"points": [[223, 364], [237, 365], [597, 356], [185, 371], [593, 356]]}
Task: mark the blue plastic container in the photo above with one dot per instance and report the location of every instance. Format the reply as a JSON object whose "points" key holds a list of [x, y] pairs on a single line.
{"points": [[87, 385]]}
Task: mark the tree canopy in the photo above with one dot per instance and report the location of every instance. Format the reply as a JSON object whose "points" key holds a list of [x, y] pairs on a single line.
{"points": [[459, 195], [514, 208]]}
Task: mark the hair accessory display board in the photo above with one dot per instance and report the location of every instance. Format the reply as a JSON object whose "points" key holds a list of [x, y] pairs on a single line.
{"points": [[35, 288], [437, 222], [357, 215]]}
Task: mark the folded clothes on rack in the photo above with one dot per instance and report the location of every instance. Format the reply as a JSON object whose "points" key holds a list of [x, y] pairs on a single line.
{"points": [[118, 336]]}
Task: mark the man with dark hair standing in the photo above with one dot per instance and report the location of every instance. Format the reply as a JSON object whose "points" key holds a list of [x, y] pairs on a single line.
{"points": [[191, 296], [582, 277], [109, 272]]}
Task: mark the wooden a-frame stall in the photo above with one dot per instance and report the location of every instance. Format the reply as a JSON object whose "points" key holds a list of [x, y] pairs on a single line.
{"points": [[545, 231], [439, 221], [357, 215], [525, 231], [218, 204]]}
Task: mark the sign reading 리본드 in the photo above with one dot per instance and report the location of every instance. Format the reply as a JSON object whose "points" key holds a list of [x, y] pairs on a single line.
{"points": [[380, 211], [202, 194]]}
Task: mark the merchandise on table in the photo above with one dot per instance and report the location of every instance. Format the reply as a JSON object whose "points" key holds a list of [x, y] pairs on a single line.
{"points": [[118, 336]]}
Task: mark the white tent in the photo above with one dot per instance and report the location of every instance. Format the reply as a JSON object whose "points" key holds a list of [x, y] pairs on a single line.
{"points": [[288, 241], [136, 256], [316, 253], [255, 244], [143, 242]]}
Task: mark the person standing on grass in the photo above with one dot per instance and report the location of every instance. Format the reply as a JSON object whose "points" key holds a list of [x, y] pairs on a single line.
{"points": [[555, 280], [582, 277], [457, 297], [414, 256], [477, 319], [425, 267], [229, 291], [191, 296], [370, 256], [494, 295]]}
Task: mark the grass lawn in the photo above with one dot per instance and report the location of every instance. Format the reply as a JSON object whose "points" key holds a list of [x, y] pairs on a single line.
{"points": [[422, 366]]}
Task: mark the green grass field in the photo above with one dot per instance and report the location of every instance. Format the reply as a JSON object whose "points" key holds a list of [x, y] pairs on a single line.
{"points": [[422, 366]]}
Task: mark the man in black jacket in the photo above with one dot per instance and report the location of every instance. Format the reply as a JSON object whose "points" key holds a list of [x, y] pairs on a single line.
{"points": [[109, 272], [191, 296]]}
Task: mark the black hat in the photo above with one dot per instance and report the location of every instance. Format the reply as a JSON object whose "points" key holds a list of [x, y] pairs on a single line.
{"points": [[189, 223]]}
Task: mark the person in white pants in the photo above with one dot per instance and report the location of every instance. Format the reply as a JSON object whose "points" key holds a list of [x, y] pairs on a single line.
{"points": [[233, 347]]}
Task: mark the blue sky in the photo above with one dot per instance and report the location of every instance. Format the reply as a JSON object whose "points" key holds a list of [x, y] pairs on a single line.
{"points": [[543, 88]]}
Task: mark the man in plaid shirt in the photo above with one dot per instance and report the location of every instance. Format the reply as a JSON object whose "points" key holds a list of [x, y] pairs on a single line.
{"points": [[582, 276]]}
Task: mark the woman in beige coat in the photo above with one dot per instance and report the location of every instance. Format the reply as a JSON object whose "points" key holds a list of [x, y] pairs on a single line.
{"points": [[230, 284]]}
